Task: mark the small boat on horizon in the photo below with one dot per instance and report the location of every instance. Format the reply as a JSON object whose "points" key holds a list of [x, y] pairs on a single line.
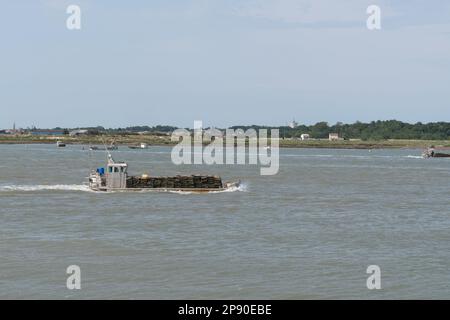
{"points": [[431, 153], [141, 146], [60, 144], [112, 146]]}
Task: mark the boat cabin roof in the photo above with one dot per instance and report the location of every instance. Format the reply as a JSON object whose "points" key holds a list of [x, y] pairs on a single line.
{"points": [[120, 164]]}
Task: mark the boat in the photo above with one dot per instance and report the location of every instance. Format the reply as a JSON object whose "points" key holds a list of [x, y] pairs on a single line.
{"points": [[60, 144], [111, 147], [431, 153], [141, 146], [115, 178]]}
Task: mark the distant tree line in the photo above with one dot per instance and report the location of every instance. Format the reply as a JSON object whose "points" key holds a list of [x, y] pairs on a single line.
{"points": [[375, 130], [136, 129], [126, 130]]}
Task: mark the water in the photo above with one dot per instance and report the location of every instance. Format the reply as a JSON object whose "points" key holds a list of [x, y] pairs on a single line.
{"points": [[309, 232]]}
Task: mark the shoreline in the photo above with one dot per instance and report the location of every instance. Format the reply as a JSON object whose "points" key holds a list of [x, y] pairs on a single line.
{"points": [[125, 141]]}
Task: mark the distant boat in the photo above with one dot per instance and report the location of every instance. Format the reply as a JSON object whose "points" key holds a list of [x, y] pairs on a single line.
{"points": [[431, 153], [60, 144], [141, 146], [112, 146]]}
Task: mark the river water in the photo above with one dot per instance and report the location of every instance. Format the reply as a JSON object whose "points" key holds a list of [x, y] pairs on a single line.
{"points": [[309, 232]]}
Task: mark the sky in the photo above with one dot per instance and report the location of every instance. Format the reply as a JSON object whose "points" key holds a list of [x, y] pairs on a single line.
{"points": [[225, 62]]}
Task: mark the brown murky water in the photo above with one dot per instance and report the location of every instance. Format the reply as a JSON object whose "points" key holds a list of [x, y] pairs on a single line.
{"points": [[308, 232]]}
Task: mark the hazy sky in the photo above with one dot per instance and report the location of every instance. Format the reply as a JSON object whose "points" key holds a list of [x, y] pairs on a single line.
{"points": [[224, 62]]}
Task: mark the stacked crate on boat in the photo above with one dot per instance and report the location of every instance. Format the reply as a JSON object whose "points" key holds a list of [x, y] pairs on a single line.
{"points": [[194, 181]]}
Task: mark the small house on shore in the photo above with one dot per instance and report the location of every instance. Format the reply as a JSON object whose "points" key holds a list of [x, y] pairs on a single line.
{"points": [[334, 137], [304, 136], [81, 132]]}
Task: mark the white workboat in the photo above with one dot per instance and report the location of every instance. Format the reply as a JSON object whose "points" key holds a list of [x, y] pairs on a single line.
{"points": [[115, 178]]}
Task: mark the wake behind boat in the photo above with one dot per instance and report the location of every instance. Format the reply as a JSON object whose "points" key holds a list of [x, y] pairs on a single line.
{"points": [[116, 178]]}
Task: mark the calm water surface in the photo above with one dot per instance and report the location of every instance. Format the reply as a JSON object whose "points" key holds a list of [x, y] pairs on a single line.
{"points": [[308, 232]]}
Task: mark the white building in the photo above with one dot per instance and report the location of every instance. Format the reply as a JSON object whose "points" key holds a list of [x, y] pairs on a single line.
{"points": [[75, 133], [333, 137], [293, 124], [304, 136]]}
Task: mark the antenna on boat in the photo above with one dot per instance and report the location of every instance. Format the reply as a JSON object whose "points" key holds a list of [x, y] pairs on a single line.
{"points": [[109, 157], [90, 157]]}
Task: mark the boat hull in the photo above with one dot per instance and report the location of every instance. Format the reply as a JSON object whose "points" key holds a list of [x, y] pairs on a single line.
{"points": [[228, 186], [103, 149], [441, 155]]}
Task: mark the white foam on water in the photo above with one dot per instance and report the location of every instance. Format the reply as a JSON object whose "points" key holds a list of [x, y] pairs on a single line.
{"points": [[242, 188], [56, 187], [414, 157], [85, 188], [181, 192]]}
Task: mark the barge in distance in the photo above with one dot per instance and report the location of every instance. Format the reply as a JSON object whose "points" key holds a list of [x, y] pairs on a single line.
{"points": [[116, 178], [431, 153]]}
